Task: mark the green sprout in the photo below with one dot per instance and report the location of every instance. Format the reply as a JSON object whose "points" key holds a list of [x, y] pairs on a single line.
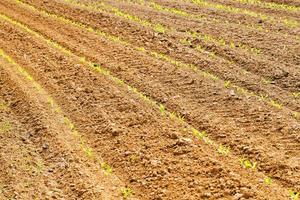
{"points": [[276, 104], [159, 28], [126, 192], [227, 84], [88, 151], [5, 127], [266, 81], [223, 150], [106, 167], [296, 115], [268, 181], [199, 134], [2, 106], [296, 94], [162, 109], [294, 195], [39, 166], [247, 164]]}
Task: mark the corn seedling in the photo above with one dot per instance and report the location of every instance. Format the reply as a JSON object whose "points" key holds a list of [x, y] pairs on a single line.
{"points": [[266, 81], [296, 94], [276, 104], [107, 168], [39, 166], [247, 164], [268, 181], [2, 106], [296, 115], [199, 134], [294, 195], [162, 109], [5, 127], [223, 150], [126, 192], [89, 152], [227, 84]]}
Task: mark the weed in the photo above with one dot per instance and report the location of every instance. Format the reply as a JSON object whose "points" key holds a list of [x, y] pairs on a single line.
{"points": [[126, 192]]}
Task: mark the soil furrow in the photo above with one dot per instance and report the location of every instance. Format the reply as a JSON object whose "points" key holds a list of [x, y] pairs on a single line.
{"points": [[62, 169], [213, 116], [131, 136]]}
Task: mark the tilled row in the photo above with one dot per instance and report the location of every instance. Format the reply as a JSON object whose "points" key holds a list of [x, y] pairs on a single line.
{"points": [[187, 102], [44, 156], [148, 150]]}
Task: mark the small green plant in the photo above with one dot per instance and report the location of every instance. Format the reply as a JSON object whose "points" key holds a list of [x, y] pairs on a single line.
{"points": [[87, 150], [296, 94], [39, 166], [162, 109], [2, 106], [227, 84], [296, 115], [223, 150], [247, 164], [106, 167], [159, 28], [294, 195], [199, 134], [268, 181], [5, 127], [276, 104], [126, 192]]}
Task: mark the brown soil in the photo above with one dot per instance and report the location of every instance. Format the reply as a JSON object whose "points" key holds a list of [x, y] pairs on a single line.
{"points": [[155, 156]]}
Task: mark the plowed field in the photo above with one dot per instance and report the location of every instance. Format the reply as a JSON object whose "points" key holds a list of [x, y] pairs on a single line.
{"points": [[158, 99]]}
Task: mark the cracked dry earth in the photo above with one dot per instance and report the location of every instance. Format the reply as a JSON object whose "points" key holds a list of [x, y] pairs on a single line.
{"points": [[158, 99]]}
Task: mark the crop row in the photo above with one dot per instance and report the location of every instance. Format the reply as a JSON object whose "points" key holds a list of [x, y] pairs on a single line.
{"points": [[187, 14], [270, 5], [179, 64], [197, 35], [221, 149], [289, 23], [157, 27], [88, 151], [207, 39], [190, 36]]}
